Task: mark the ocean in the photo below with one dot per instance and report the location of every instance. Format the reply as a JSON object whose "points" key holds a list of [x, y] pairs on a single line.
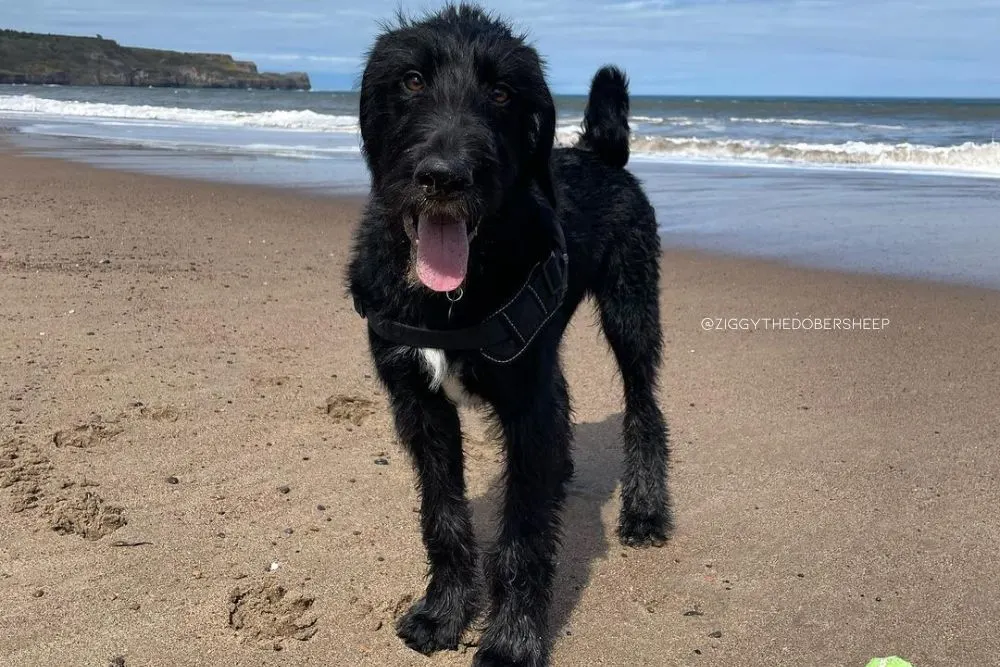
{"points": [[895, 186]]}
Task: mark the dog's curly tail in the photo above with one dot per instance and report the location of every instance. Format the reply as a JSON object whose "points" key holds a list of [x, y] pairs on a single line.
{"points": [[605, 121]]}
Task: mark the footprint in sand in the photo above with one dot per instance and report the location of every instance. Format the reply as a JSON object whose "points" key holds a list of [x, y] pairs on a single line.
{"points": [[23, 470], [349, 409], [165, 413], [85, 436], [83, 513], [67, 507], [266, 612]]}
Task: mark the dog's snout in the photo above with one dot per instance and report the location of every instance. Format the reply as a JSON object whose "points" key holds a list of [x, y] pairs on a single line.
{"points": [[439, 177]]}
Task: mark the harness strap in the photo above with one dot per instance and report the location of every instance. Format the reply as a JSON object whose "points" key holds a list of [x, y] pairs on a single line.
{"points": [[488, 333]]}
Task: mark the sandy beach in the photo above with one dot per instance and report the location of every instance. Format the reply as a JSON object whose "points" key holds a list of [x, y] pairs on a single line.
{"points": [[198, 468]]}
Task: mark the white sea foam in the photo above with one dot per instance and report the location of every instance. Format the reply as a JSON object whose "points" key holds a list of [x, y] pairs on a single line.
{"points": [[298, 151], [567, 135], [969, 157], [812, 122], [286, 120], [966, 158], [675, 121], [685, 121], [682, 121]]}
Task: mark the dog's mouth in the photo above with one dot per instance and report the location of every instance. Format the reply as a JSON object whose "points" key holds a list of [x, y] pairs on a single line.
{"points": [[442, 249]]}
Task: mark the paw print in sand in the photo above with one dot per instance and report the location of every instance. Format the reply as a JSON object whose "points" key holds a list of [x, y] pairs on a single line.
{"points": [[269, 613], [349, 409], [85, 436]]}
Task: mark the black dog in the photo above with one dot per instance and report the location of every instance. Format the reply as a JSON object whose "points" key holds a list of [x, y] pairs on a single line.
{"points": [[477, 245]]}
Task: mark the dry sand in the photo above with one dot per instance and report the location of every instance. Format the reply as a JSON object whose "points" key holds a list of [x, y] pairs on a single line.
{"points": [[187, 399]]}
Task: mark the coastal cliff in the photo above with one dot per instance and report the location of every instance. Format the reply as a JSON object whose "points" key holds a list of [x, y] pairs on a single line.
{"points": [[94, 61]]}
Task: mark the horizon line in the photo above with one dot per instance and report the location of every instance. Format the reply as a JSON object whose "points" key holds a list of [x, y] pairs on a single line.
{"points": [[753, 96]]}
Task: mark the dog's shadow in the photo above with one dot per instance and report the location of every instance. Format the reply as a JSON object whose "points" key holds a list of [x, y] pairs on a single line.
{"points": [[597, 455]]}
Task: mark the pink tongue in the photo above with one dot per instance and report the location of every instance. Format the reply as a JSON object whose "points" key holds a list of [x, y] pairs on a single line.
{"points": [[442, 252]]}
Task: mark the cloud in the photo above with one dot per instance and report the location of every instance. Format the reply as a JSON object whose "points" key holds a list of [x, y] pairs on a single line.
{"points": [[807, 47], [325, 63]]}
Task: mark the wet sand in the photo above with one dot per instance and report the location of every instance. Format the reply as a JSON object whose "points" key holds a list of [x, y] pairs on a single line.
{"points": [[198, 468]]}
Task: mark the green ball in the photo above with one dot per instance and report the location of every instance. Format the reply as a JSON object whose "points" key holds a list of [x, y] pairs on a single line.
{"points": [[891, 661]]}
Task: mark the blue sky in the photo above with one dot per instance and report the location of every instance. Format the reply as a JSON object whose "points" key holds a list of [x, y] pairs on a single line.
{"points": [[684, 47]]}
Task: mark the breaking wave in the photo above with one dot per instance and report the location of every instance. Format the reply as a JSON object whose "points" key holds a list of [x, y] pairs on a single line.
{"points": [[966, 158], [286, 120], [686, 121], [814, 123]]}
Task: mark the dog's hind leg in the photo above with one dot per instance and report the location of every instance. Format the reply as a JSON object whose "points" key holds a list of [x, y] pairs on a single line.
{"points": [[429, 428], [628, 301], [521, 566]]}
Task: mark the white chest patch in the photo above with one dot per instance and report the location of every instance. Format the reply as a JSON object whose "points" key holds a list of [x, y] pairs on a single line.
{"points": [[445, 377]]}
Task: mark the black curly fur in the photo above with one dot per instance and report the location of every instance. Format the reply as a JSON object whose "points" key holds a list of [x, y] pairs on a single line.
{"points": [[462, 53]]}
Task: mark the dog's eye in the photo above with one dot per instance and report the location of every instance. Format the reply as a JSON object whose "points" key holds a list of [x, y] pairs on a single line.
{"points": [[413, 81], [500, 95]]}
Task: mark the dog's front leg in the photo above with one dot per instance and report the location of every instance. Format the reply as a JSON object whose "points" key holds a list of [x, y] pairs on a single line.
{"points": [[429, 428], [521, 566]]}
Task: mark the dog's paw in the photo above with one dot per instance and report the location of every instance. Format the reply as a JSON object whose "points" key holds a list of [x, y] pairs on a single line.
{"points": [[644, 529], [486, 657], [426, 632], [512, 642]]}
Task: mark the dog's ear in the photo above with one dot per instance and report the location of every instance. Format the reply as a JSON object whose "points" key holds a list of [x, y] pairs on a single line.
{"points": [[367, 116], [545, 134]]}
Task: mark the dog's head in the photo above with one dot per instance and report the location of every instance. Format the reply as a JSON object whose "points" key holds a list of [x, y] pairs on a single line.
{"points": [[455, 116]]}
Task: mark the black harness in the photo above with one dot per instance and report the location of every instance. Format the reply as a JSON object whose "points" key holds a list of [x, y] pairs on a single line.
{"points": [[506, 334]]}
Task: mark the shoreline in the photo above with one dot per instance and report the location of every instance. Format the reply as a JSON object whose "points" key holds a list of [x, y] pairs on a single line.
{"points": [[9, 150], [672, 241]]}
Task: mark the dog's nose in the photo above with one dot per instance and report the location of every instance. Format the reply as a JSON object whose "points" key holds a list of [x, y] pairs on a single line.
{"points": [[439, 177]]}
